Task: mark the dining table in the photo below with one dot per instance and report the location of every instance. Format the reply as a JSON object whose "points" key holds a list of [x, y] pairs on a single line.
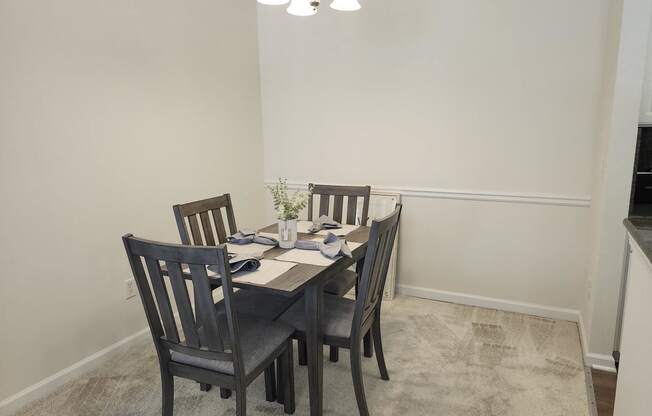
{"points": [[308, 280]]}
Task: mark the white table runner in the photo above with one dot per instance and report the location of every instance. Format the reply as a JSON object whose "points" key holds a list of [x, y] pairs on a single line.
{"points": [[250, 249], [312, 256], [268, 271], [304, 226]]}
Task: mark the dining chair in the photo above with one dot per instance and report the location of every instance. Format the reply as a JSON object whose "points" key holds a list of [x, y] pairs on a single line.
{"points": [[343, 282], [227, 349], [346, 321], [207, 227]]}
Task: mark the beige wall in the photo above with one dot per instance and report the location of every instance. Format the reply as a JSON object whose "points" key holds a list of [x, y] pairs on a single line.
{"points": [[111, 112], [459, 95]]}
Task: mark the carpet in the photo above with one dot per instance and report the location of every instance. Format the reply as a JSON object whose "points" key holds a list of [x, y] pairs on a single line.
{"points": [[443, 359]]}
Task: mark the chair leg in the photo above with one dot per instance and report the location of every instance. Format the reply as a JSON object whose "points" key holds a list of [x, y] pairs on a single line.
{"points": [[241, 401], [280, 378], [378, 346], [368, 347], [288, 378], [334, 354], [205, 387], [225, 393], [167, 384], [303, 352], [270, 383], [356, 373]]}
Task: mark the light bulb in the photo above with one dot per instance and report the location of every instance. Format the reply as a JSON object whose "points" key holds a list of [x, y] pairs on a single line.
{"points": [[301, 8], [346, 5], [273, 2]]}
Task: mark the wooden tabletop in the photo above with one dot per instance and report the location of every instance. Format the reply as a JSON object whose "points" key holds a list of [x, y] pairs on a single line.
{"points": [[295, 279]]}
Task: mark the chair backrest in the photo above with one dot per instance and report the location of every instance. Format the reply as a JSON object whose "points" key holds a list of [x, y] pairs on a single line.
{"points": [[338, 193], [376, 264], [203, 336], [206, 209]]}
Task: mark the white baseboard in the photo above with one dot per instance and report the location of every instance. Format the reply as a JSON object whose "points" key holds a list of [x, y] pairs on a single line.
{"points": [[600, 362], [51, 383], [596, 361], [492, 303]]}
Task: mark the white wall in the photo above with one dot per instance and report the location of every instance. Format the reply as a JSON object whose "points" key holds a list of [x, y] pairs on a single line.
{"points": [[111, 112], [614, 173], [450, 95]]}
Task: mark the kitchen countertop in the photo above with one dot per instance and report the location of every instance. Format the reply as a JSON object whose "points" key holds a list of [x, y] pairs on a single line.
{"points": [[641, 231]]}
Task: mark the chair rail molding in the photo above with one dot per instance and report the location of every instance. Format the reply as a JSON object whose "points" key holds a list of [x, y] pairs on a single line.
{"points": [[473, 195]]}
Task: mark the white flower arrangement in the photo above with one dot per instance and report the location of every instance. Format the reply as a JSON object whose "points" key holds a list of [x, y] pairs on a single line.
{"points": [[288, 208]]}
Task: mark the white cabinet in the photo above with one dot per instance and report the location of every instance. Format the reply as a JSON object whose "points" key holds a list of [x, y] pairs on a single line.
{"points": [[646, 101], [634, 389]]}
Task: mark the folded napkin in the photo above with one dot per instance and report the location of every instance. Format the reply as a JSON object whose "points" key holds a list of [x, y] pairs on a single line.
{"points": [[324, 223], [240, 263], [330, 247], [245, 236]]}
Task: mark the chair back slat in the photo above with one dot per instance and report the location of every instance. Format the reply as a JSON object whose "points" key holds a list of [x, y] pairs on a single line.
{"points": [[182, 299], [204, 337], [351, 209], [214, 233], [338, 207], [219, 225], [324, 202], [353, 193], [206, 228], [230, 308], [230, 215], [194, 229], [162, 299], [205, 308], [374, 272]]}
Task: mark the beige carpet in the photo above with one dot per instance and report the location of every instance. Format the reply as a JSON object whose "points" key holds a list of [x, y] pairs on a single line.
{"points": [[443, 359]]}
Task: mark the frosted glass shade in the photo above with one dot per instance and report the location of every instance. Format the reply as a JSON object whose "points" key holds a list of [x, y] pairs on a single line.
{"points": [[273, 2], [301, 8], [346, 5]]}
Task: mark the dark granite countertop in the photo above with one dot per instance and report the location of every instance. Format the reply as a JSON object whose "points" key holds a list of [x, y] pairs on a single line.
{"points": [[641, 231]]}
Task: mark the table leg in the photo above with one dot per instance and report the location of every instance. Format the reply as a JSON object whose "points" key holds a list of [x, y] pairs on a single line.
{"points": [[315, 342]]}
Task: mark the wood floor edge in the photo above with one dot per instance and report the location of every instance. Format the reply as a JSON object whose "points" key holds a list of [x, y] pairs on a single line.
{"points": [[590, 392]]}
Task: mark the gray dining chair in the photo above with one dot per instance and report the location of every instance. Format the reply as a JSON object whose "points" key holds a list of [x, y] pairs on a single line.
{"points": [[202, 223], [346, 280], [345, 321], [215, 346]]}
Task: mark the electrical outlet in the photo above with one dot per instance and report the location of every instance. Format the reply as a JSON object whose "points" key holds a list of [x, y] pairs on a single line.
{"points": [[130, 288]]}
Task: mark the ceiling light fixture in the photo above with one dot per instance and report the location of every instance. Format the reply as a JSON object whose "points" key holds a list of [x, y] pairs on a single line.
{"points": [[310, 7], [273, 2], [346, 5], [303, 7]]}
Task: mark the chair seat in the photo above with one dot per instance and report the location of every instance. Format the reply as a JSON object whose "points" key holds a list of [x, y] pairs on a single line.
{"points": [[259, 338], [337, 316], [259, 304], [342, 283]]}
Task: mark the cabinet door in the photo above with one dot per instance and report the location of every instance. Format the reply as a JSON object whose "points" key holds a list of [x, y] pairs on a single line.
{"points": [[633, 390]]}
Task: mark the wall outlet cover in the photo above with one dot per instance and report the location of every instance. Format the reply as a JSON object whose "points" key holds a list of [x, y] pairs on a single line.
{"points": [[130, 288]]}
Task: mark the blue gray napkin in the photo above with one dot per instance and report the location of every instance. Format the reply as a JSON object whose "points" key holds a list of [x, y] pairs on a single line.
{"points": [[246, 236], [240, 263], [330, 247], [324, 223]]}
